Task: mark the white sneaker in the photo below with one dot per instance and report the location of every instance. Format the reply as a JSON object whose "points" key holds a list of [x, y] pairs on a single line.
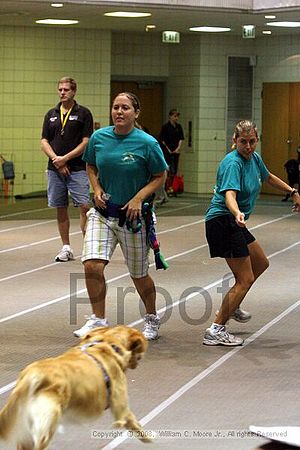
{"points": [[240, 315], [221, 337], [65, 254], [151, 327], [92, 322]]}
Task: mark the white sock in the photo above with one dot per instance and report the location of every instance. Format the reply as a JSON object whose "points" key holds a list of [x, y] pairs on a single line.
{"points": [[66, 247], [101, 319], [215, 327]]}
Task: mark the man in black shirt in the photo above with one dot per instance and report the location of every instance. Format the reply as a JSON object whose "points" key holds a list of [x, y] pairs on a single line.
{"points": [[171, 136], [66, 131]]}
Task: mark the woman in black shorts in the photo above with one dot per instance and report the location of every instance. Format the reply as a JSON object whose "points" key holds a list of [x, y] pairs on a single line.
{"points": [[239, 180]]}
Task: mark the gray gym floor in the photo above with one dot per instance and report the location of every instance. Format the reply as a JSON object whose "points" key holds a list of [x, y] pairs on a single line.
{"points": [[192, 396]]}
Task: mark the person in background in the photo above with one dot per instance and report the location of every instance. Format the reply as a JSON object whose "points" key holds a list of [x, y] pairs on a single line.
{"points": [[97, 125], [125, 166], [239, 180], [292, 167], [142, 127], [66, 131], [171, 136], [160, 196]]}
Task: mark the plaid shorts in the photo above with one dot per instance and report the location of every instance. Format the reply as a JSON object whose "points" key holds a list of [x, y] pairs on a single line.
{"points": [[102, 236]]}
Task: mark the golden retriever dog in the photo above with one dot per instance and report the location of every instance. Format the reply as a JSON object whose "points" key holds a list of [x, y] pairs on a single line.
{"points": [[79, 384]]}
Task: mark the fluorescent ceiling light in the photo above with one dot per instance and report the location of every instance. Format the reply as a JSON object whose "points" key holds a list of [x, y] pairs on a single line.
{"points": [[210, 29], [127, 14], [270, 16], [266, 32], [56, 22], [284, 24], [57, 5]]}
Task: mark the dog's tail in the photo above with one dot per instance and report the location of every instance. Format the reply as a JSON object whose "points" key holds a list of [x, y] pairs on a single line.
{"points": [[29, 414], [17, 399], [43, 413]]}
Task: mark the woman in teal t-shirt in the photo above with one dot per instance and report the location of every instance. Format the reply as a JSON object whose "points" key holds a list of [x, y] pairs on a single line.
{"points": [[239, 180], [125, 166]]}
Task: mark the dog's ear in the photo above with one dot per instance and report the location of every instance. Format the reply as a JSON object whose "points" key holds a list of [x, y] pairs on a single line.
{"points": [[95, 333], [138, 343], [138, 346]]}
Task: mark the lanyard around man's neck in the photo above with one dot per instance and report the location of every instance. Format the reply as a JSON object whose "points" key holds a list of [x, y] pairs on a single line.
{"points": [[64, 118]]}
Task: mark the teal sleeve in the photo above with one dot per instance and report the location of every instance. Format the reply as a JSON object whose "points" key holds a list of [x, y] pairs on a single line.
{"points": [[229, 178], [156, 159], [264, 172], [89, 155]]}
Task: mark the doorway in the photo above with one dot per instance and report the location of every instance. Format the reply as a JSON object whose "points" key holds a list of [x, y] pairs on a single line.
{"points": [[151, 95], [280, 127]]}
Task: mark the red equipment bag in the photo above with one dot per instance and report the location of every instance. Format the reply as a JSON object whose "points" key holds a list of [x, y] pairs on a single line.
{"points": [[178, 184]]}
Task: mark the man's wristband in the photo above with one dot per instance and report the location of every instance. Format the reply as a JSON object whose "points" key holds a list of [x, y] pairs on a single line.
{"points": [[294, 191]]}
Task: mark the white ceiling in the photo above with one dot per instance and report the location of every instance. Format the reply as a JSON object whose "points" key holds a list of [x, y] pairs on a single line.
{"points": [[24, 13]]}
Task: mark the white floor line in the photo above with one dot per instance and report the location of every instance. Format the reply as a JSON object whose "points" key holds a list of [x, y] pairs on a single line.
{"points": [[79, 232], [56, 300], [32, 244], [201, 376], [209, 286], [159, 232], [167, 208], [22, 227], [285, 216], [19, 213], [27, 272], [9, 386], [180, 227], [37, 269], [10, 277], [82, 291], [170, 209], [54, 220]]}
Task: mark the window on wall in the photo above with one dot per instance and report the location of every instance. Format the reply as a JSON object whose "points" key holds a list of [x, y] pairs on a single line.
{"points": [[239, 91]]}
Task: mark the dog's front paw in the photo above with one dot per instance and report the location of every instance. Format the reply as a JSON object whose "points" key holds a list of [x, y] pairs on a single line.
{"points": [[119, 424], [145, 436]]}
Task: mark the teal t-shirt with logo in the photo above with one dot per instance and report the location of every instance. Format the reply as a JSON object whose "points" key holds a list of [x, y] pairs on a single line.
{"points": [[125, 163], [238, 174]]}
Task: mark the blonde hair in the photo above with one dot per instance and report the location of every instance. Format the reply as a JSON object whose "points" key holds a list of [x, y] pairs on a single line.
{"points": [[241, 127], [70, 80]]}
